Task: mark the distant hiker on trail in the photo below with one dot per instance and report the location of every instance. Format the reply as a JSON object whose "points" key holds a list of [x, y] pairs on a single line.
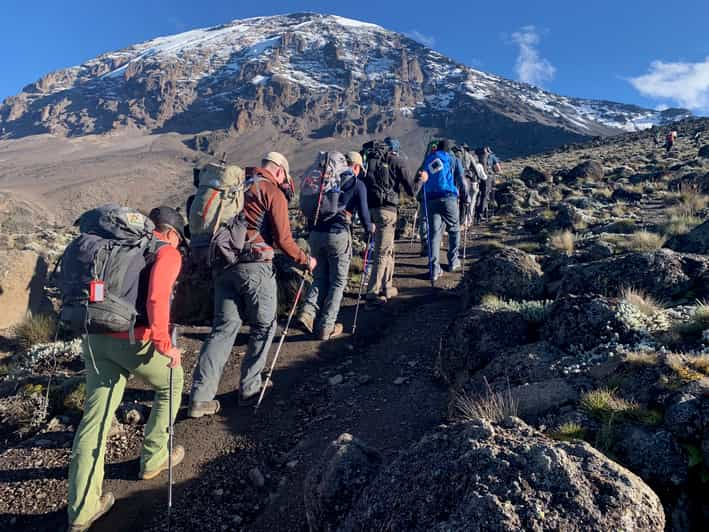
{"points": [[670, 141], [697, 138], [386, 175], [487, 183], [330, 238], [145, 251], [245, 286], [423, 223], [442, 174], [468, 186], [471, 174]]}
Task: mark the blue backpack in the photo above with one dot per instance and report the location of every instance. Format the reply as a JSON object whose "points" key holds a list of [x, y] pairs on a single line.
{"points": [[441, 182]]}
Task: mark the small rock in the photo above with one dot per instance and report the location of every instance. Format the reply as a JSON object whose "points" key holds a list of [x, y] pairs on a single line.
{"points": [[257, 477], [364, 379], [218, 492], [400, 380], [337, 379], [292, 464]]}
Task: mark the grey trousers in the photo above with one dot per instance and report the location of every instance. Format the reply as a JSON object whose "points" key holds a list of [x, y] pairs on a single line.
{"points": [[247, 292], [333, 252]]}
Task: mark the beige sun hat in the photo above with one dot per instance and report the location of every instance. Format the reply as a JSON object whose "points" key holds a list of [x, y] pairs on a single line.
{"points": [[354, 157], [280, 160]]}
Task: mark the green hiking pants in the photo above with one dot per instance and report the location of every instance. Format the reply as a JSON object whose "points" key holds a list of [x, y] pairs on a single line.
{"points": [[115, 360]]}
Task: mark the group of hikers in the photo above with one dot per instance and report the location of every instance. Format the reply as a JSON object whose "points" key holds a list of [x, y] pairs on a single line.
{"points": [[117, 279]]}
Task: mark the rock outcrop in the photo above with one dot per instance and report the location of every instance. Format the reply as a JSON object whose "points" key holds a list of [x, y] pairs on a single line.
{"points": [[503, 476]]}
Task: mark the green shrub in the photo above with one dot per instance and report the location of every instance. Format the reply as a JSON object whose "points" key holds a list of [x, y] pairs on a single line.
{"points": [[604, 404], [569, 431], [532, 311]]}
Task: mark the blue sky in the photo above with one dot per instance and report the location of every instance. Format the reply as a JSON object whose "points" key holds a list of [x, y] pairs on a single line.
{"points": [[652, 53]]}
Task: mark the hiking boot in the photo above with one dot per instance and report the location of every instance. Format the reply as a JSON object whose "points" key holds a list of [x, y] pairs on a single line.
{"points": [[106, 501], [178, 454], [203, 408], [391, 291], [437, 274], [374, 303], [456, 266], [306, 322], [252, 398], [331, 332]]}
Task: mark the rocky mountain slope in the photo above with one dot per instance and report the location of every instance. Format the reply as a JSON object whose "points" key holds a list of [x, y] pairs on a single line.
{"points": [[307, 75], [562, 382]]}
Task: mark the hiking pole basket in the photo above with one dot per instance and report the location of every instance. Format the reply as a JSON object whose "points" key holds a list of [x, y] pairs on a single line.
{"points": [[361, 283], [280, 343]]}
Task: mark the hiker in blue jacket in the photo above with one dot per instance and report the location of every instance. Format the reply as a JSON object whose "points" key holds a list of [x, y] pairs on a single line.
{"points": [[444, 174]]}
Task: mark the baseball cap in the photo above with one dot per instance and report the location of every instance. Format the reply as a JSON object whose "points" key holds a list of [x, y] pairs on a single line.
{"points": [[280, 160], [168, 216], [354, 157]]}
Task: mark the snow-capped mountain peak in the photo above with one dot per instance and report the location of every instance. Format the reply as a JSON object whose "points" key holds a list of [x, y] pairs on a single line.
{"points": [[302, 72]]}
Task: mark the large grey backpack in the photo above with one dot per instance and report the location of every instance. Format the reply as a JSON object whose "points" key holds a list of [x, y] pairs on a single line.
{"points": [[102, 271]]}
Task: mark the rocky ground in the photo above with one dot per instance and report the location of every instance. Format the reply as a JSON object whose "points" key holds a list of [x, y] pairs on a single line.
{"points": [[561, 383]]}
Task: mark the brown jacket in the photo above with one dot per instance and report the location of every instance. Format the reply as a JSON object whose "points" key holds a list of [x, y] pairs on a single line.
{"points": [[268, 226]]}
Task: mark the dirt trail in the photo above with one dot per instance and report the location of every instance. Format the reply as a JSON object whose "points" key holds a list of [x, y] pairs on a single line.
{"points": [[379, 387]]}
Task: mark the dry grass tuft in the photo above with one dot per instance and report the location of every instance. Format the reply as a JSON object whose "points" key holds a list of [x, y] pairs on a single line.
{"points": [[644, 241], [680, 224], [493, 406], [564, 242], [642, 358], [35, 329], [642, 301], [699, 363]]}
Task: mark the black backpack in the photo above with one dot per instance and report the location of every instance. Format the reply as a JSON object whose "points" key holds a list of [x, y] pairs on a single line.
{"points": [[379, 178], [101, 274]]}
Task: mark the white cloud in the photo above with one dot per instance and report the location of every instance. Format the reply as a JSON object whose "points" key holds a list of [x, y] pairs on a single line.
{"points": [[416, 35], [687, 84], [530, 66]]}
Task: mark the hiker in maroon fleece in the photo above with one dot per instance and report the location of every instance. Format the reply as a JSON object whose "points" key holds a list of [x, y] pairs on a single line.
{"points": [[247, 291]]}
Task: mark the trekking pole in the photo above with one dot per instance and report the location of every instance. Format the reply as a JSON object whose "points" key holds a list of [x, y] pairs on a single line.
{"points": [[170, 441], [428, 236], [413, 229], [361, 283], [465, 244], [280, 344]]}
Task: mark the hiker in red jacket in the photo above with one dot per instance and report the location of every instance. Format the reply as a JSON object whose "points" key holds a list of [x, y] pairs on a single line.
{"points": [[114, 357]]}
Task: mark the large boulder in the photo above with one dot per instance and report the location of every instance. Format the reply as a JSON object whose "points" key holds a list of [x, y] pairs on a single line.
{"points": [[472, 340], [530, 374], [571, 218], [586, 321], [696, 241], [654, 454], [504, 476], [663, 274], [591, 170], [331, 487], [533, 177], [23, 276], [509, 273]]}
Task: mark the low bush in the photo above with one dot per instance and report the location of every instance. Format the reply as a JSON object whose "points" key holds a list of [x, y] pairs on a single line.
{"points": [[35, 329]]}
